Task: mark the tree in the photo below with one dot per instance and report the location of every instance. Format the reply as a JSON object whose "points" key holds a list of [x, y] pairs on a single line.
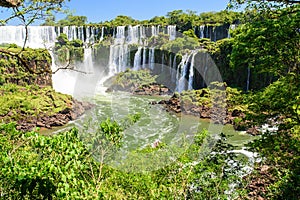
{"points": [[72, 20], [28, 11], [270, 43]]}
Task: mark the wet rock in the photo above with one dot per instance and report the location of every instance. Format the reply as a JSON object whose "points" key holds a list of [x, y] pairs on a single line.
{"points": [[28, 123]]}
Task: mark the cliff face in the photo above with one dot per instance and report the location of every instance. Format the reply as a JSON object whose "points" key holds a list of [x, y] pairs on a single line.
{"points": [[37, 70], [10, 3]]}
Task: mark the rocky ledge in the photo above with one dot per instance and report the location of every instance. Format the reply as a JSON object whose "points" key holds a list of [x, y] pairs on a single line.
{"points": [[151, 89], [61, 118], [215, 113]]}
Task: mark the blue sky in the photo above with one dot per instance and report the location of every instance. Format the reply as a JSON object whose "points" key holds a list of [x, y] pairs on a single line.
{"points": [[103, 10]]}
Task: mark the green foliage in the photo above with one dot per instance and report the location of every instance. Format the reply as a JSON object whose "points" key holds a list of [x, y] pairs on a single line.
{"points": [[180, 44], [270, 45], [30, 11], [36, 70], [281, 151], [112, 131], [280, 99], [132, 79], [72, 20], [60, 167], [19, 102], [68, 51]]}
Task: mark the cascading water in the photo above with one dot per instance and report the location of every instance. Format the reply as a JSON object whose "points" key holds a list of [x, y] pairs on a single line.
{"points": [[38, 36], [191, 72], [202, 31], [186, 67], [170, 66], [102, 33], [154, 30], [152, 58], [133, 34], [144, 58], [181, 73], [172, 32], [162, 63], [88, 61], [137, 59], [118, 56], [173, 72]]}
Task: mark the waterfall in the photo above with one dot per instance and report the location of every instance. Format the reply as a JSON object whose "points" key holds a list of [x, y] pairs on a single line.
{"points": [[186, 67], [71, 32], [144, 58], [137, 59], [61, 77], [181, 73], [142, 34], [202, 31], [152, 58], [133, 34], [248, 78], [88, 61], [154, 30], [174, 69], [172, 32], [38, 36], [90, 37], [118, 55], [191, 72], [170, 65], [215, 34], [162, 62], [120, 36], [102, 33]]}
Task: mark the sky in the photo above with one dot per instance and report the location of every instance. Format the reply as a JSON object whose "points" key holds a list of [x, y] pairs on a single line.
{"points": [[105, 10]]}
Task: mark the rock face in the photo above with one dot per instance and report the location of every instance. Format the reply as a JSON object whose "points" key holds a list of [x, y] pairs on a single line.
{"points": [[10, 3], [38, 60], [58, 119], [219, 116], [153, 89], [175, 104]]}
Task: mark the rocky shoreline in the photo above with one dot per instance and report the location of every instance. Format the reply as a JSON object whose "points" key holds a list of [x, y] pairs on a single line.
{"points": [[28, 123]]}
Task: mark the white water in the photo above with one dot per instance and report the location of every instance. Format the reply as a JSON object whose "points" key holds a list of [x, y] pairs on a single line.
{"points": [[137, 59], [152, 58], [173, 74], [102, 33], [88, 61], [38, 36], [172, 32], [191, 72], [202, 31], [155, 30], [181, 73], [144, 58], [186, 67]]}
